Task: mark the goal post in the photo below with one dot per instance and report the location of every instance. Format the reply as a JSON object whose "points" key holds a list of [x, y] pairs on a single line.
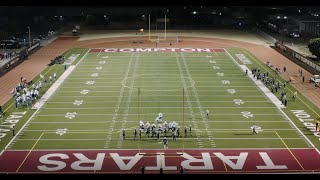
{"points": [[168, 39]]}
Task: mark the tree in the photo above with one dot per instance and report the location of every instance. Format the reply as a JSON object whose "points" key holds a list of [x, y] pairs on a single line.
{"points": [[314, 47]]}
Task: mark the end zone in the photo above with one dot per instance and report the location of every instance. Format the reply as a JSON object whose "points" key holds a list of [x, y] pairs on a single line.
{"points": [[206, 161]]}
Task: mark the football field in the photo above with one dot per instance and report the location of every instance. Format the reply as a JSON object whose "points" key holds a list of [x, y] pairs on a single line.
{"points": [[107, 92]]}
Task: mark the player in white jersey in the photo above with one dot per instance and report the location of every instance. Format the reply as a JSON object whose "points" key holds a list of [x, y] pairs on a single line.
{"points": [[165, 124], [173, 126], [41, 77], [160, 116], [28, 93], [54, 76], [141, 125], [170, 125], [147, 125], [40, 85], [36, 94], [24, 99]]}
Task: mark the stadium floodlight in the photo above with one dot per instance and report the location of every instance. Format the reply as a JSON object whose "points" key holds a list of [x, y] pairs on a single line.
{"points": [[104, 16], [220, 14], [285, 17], [194, 12], [278, 17]]}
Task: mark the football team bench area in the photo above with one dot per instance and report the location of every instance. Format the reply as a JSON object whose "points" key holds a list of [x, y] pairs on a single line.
{"points": [[120, 110]]}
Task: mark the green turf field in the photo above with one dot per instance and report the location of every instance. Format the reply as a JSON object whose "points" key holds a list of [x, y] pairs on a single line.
{"points": [[108, 92]]}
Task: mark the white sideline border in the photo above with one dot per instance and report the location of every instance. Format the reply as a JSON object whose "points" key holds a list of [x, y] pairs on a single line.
{"points": [[278, 107], [53, 88], [33, 115]]}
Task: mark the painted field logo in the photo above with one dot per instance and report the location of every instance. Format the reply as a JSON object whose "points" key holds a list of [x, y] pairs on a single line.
{"points": [[307, 121], [72, 58], [243, 59], [126, 50], [10, 122], [193, 160]]}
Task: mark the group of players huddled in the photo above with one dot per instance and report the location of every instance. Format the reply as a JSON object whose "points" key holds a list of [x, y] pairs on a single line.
{"points": [[26, 96], [156, 128]]}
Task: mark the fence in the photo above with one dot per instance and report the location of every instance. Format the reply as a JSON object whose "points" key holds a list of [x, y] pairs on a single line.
{"points": [[313, 67], [23, 55]]}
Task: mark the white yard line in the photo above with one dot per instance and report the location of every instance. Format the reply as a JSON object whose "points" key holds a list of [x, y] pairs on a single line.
{"points": [[127, 107], [165, 96], [195, 93], [97, 122], [189, 104], [148, 138], [95, 102], [204, 149], [155, 87], [102, 122], [150, 107], [115, 114], [48, 115]]}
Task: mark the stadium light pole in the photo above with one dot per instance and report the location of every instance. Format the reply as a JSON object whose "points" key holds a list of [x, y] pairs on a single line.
{"points": [[29, 36], [165, 27], [149, 27]]}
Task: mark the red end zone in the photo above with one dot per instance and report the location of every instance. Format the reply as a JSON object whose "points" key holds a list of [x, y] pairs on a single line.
{"points": [[130, 161]]}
